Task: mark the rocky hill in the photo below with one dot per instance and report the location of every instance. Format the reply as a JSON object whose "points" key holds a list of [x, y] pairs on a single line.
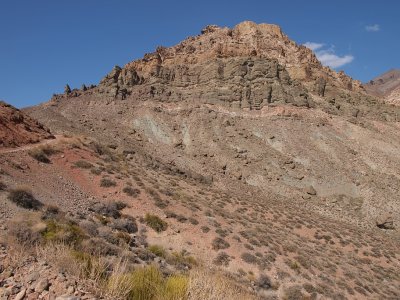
{"points": [[261, 161], [386, 86], [17, 128]]}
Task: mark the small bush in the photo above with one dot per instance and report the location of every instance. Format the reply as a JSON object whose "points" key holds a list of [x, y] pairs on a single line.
{"points": [[205, 229], [24, 198], [26, 230], [126, 224], [68, 233], [48, 150], [155, 223], [158, 251], [219, 244], [96, 171], [39, 155], [105, 182], [175, 287], [3, 186], [111, 209], [131, 191], [83, 164], [51, 212], [222, 259], [146, 282], [193, 221], [182, 259], [249, 258]]}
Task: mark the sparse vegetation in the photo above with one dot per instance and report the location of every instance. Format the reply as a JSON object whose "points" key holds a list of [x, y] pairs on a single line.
{"points": [[249, 258], [42, 153], [24, 198], [222, 259], [130, 191], [158, 251], [106, 182], [148, 283], [155, 222], [182, 259], [39, 155], [219, 244], [3, 186], [83, 164]]}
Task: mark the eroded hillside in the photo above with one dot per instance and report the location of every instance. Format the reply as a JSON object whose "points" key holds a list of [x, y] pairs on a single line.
{"points": [[263, 163]]}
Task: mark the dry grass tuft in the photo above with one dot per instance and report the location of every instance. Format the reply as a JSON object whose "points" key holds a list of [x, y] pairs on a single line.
{"points": [[204, 285]]}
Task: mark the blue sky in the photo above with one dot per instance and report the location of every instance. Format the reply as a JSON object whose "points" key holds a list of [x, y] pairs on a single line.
{"points": [[45, 44]]}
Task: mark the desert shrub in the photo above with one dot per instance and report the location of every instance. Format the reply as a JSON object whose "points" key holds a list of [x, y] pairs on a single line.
{"points": [[107, 234], [222, 259], [146, 282], [26, 230], [111, 209], [106, 182], [175, 287], [51, 212], [158, 251], [161, 204], [294, 265], [182, 259], [83, 164], [90, 267], [170, 214], [205, 229], [99, 246], [293, 293], [219, 244], [127, 224], [263, 282], [48, 150], [96, 171], [223, 233], [67, 232], [130, 191], [39, 155], [3, 186], [99, 149], [24, 198], [89, 227], [249, 258], [205, 285], [181, 218], [155, 223], [193, 221]]}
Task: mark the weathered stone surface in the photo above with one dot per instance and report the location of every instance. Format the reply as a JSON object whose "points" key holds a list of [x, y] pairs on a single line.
{"points": [[17, 128], [248, 66], [385, 222]]}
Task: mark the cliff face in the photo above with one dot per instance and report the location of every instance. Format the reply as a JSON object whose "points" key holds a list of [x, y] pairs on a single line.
{"points": [[248, 66], [16, 128]]}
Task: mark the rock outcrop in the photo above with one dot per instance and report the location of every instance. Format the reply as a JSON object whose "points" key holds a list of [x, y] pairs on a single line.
{"points": [[17, 128], [248, 66]]}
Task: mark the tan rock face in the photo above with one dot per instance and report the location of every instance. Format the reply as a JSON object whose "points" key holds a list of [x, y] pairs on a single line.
{"points": [[246, 66], [16, 128]]}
